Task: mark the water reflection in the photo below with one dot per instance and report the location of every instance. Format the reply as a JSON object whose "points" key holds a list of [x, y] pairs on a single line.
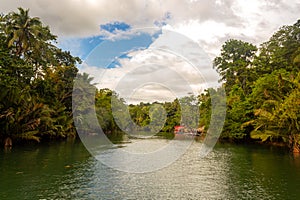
{"points": [[67, 171]]}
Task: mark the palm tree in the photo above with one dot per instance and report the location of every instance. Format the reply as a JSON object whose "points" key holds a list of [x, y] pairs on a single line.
{"points": [[279, 117], [26, 34], [29, 39], [21, 30]]}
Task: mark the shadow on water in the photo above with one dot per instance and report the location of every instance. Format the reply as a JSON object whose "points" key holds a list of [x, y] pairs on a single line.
{"points": [[26, 171], [263, 171]]}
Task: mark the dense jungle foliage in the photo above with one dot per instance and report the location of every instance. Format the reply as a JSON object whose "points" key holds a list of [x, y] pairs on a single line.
{"points": [[262, 87]]}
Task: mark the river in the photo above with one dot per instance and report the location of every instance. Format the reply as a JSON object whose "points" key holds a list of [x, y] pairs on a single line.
{"points": [[65, 170]]}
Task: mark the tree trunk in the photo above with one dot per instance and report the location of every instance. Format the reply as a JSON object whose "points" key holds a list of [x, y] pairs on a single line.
{"points": [[8, 142], [296, 149], [294, 145]]}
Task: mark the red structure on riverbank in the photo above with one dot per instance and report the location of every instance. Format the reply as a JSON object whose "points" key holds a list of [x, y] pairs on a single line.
{"points": [[178, 129]]}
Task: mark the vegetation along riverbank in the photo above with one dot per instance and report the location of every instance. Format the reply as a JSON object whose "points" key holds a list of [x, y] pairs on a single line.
{"points": [[262, 86]]}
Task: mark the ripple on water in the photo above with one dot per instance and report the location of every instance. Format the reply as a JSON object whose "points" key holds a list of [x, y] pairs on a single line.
{"points": [[228, 172]]}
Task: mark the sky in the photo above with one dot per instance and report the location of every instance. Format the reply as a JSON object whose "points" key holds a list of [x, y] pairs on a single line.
{"points": [[156, 50]]}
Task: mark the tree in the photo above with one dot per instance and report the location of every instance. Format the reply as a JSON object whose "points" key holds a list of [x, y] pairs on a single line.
{"points": [[29, 39], [278, 110], [259, 87], [36, 80], [173, 110], [189, 107], [281, 51], [25, 34], [205, 109], [235, 63]]}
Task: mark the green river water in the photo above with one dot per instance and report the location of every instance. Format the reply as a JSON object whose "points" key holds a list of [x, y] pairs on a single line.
{"points": [[65, 170]]}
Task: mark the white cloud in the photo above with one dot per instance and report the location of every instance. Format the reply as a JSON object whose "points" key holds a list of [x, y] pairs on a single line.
{"points": [[171, 67], [142, 79], [208, 22]]}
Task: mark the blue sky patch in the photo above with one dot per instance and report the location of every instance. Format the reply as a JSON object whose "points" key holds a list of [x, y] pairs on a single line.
{"points": [[106, 54], [115, 26], [97, 51], [80, 47]]}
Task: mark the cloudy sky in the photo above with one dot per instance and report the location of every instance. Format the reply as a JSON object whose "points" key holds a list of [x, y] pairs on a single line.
{"points": [[156, 50]]}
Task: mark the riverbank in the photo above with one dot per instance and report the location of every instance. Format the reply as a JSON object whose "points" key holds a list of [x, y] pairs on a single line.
{"points": [[168, 136]]}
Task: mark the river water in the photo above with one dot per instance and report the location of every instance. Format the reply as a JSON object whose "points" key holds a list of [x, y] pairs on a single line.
{"points": [[67, 171]]}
